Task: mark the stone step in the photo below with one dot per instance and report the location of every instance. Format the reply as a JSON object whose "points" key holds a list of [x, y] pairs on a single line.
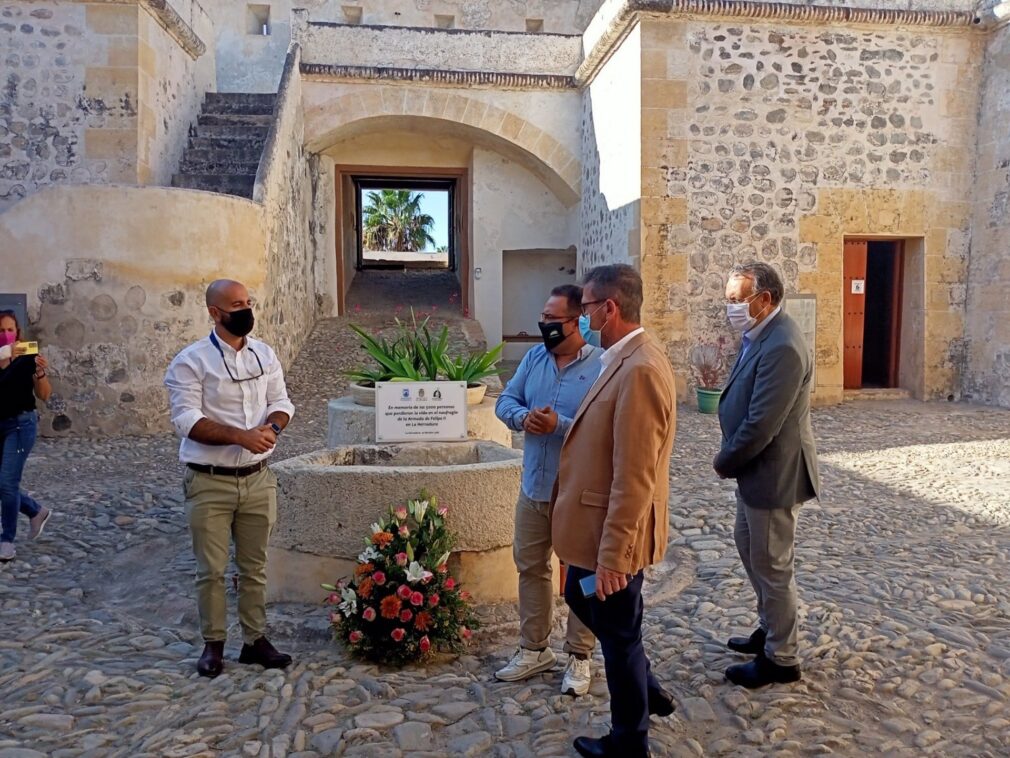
{"points": [[222, 154], [217, 166], [239, 102], [241, 184], [236, 119], [240, 142], [232, 130]]}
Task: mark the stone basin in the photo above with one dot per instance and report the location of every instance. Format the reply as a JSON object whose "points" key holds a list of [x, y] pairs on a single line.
{"points": [[328, 499]]}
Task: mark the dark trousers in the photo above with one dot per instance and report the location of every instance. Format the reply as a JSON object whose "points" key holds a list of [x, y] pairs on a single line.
{"points": [[617, 624]]}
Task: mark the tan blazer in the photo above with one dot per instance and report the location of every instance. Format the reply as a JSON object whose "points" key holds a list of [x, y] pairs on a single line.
{"points": [[610, 501]]}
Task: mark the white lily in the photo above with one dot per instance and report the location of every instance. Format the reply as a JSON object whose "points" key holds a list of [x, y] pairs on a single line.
{"points": [[415, 572], [375, 528], [368, 555], [420, 509], [350, 601], [442, 560]]}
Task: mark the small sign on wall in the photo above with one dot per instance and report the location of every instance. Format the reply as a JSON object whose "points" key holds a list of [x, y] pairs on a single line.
{"points": [[420, 411], [803, 310], [858, 286]]}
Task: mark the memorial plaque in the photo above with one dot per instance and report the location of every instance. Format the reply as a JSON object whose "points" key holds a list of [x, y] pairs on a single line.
{"points": [[420, 411], [803, 310]]}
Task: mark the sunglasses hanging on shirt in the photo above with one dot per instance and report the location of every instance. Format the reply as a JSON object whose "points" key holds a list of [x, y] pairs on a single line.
{"points": [[213, 339]]}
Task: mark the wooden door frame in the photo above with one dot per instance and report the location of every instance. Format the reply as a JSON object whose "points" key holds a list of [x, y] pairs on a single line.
{"points": [[461, 235]]}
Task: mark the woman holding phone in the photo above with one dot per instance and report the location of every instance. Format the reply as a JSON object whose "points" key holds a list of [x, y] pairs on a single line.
{"points": [[22, 379]]}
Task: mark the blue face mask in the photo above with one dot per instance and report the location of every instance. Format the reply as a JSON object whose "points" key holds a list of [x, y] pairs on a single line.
{"points": [[590, 335]]}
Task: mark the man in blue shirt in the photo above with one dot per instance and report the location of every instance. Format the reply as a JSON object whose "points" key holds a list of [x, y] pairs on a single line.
{"points": [[541, 400]]}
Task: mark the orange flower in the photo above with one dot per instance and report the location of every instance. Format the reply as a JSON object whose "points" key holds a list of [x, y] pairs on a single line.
{"points": [[422, 621], [363, 568], [382, 539], [365, 587], [390, 607]]}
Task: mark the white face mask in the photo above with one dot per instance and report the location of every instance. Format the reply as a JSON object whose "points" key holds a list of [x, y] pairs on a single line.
{"points": [[739, 314]]}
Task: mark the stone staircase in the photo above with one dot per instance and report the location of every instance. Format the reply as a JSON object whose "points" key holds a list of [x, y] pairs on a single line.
{"points": [[226, 144]]}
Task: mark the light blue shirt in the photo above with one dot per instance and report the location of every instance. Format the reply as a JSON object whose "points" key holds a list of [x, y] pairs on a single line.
{"points": [[537, 383]]}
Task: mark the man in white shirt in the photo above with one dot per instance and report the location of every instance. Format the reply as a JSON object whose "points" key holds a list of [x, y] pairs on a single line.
{"points": [[228, 404]]}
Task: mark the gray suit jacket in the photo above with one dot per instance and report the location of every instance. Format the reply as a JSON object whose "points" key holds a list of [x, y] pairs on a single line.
{"points": [[764, 411]]}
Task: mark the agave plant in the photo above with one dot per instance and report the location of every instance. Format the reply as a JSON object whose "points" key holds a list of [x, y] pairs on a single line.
{"points": [[473, 367]]}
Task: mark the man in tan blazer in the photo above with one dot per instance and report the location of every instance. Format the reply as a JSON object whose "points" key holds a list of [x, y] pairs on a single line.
{"points": [[609, 510]]}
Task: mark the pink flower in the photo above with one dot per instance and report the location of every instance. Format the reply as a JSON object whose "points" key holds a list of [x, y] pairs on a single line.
{"points": [[368, 614], [443, 511], [428, 576], [404, 531], [355, 637], [416, 598], [403, 592], [465, 633], [433, 600], [425, 644], [379, 578], [333, 598], [335, 618], [464, 595], [443, 569], [401, 559], [400, 513], [450, 583], [398, 634], [406, 615]]}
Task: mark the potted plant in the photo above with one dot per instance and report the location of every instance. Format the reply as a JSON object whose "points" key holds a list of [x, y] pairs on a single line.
{"points": [[708, 362], [402, 605], [416, 355]]}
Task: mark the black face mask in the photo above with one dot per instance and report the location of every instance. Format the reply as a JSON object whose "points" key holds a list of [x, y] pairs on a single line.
{"points": [[553, 333], [239, 322]]}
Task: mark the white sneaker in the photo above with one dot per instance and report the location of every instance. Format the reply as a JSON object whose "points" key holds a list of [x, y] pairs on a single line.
{"points": [[578, 677], [525, 663], [38, 522], [6, 552]]}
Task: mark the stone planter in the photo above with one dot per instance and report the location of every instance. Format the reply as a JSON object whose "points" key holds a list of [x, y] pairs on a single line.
{"points": [[328, 499], [351, 423], [363, 395]]}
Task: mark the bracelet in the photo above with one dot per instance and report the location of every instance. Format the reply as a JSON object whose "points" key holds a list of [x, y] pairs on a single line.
{"points": [[40, 376]]}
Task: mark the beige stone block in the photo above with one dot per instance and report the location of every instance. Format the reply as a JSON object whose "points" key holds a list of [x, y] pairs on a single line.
{"points": [[493, 119], [654, 64], [528, 136], [147, 59], [435, 106], [111, 83], [455, 108], [664, 93], [935, 242], [145, 174], [635, 243], [664, 210], [654, 124], [112, 19], [943, 325], [122, 52], [393, 99], [666, 152], [110, 144], [819, 229], [951, 215], [415, 100], [960, 102], [654, 182], [474, 113], [545, 146], [658, 34]]}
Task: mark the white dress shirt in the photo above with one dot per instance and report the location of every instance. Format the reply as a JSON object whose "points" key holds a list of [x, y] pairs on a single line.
{"points": [[199, 386], [614, 351]]}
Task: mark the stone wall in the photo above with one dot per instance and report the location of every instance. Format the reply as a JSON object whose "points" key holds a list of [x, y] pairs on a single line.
{"points": [[95, 93], [111, 302], [612, 159], [987, 377], [791, 138]]}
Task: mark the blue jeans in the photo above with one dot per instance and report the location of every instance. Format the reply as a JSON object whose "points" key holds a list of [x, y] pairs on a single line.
{"points": [[17, 437]]}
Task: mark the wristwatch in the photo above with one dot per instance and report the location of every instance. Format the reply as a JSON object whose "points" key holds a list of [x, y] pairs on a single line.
{"points": [[276, 428]]}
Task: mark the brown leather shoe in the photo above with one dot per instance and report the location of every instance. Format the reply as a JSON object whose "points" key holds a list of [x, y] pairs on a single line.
{"points": [[265, 654], [211, 663]]}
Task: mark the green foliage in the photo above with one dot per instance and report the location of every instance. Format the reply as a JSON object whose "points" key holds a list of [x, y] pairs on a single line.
{"points": [[473, 367], [393, 221], [402, 604]]}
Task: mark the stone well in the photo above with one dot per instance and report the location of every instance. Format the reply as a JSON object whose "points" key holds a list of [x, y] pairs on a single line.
{"points": [[350, 423], [328, 499]]}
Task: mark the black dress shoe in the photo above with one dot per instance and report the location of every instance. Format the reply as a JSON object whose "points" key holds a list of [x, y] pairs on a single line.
{"points": [[660, 703], [265, 654], [210, 663], [753, 645], [762, 671], [604, 747]]}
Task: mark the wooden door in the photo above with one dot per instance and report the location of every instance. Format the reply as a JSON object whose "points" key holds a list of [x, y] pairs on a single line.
{"points": [[853, 307]]}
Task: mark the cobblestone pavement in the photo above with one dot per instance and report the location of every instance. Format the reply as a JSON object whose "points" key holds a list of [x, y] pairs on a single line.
{"points": [[905, 626]]}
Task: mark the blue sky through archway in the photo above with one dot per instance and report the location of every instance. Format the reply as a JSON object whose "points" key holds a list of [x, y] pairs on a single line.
{"points": [[436, 204]]}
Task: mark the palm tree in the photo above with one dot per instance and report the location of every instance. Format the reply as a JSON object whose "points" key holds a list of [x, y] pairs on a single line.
{"points": [[393, 221]]}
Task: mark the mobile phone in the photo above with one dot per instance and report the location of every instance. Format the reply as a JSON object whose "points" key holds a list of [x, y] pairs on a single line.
{"points": [[26, 348], [588, 585]]}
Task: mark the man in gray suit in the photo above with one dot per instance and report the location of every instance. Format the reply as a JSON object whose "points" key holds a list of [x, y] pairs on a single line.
{"points": [[768, 447]]}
